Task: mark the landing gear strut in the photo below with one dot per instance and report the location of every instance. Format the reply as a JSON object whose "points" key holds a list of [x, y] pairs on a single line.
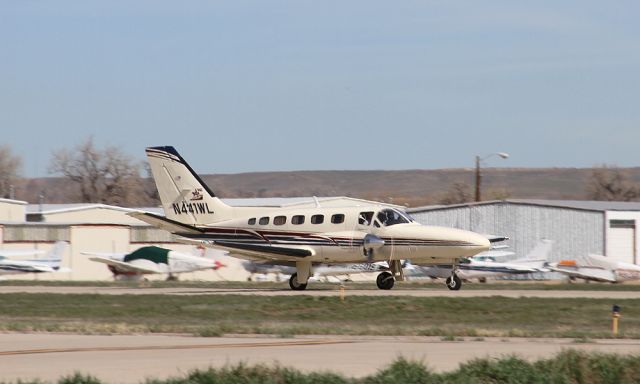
{"points": [[385, 280], [293, 283], [453, 282]]}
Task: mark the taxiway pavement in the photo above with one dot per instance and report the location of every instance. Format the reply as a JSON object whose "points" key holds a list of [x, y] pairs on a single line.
{"points": [[131, 359], [514, 293]]}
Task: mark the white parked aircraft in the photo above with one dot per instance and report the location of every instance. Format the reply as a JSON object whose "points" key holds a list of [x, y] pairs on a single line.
{"points": [[319, 270], [597, 268], [486, 265], [303, 236], [50, 263], [152, 260]]}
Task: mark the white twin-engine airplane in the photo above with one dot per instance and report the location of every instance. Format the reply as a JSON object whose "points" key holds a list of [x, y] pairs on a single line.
{"points": [[305, 236]]}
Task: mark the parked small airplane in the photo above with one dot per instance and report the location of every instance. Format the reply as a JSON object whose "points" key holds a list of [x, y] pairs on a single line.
{"points": [[485, 265], [152, 260], [50, 263], [319, 271], [597, 268], [304, 236]]}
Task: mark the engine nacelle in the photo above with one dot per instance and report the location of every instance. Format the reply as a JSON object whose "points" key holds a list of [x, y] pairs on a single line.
{"points": [[369, 244]]}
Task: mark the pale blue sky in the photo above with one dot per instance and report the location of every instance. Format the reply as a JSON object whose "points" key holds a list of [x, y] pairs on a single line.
{"points": [[240, 86]]}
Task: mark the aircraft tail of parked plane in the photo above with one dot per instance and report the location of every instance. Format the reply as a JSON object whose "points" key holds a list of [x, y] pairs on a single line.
{"points": [[51, 262], [185, 197]]}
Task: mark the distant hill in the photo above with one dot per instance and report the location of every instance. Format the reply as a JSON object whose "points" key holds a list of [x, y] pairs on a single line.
{"points": [[406, 187]]}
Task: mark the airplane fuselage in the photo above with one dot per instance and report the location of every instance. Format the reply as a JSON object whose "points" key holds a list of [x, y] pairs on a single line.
{"points": [[305, 235], [337, 235]]}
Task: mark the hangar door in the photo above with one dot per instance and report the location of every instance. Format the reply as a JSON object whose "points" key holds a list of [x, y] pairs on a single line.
{"points": [[622, 240]]}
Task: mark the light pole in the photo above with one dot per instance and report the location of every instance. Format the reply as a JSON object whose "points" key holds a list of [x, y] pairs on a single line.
{"points": [[503, 155]]}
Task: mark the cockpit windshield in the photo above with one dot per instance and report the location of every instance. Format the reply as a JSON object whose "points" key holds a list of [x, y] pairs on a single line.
{"points": [[388, 217]]}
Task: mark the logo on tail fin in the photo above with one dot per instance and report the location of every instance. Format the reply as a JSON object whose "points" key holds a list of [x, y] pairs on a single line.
{"points": [[196, 194]]}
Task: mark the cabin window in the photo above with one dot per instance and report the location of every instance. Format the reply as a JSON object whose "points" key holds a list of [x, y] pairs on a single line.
{"points": [[252, 221], [297, 220], [317, 219], [364, 218], [264, 221], [279, 220], [337, 219]]}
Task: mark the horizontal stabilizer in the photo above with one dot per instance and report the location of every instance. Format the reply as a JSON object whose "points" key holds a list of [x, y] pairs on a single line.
{"points": [[164, 223], [497, 239]]}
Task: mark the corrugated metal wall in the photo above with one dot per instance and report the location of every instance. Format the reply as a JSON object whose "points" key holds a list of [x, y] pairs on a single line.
{"points": [[31, 232], [150, 235], [574, 232]]}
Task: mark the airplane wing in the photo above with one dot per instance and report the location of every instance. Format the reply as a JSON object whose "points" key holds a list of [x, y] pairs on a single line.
{"points": [[241, 250], [265, 252], [122, 266], [11, 267], [105, 254], [583, 273], [254, 252]]}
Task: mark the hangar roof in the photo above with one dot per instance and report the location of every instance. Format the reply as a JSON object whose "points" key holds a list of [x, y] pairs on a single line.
{"points": [[585, 205], [12, 201], [339, 201]]}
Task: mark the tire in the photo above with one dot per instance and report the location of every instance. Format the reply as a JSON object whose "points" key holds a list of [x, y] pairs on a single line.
{"points": [[454, 283], [293, 283], [385, 281]]}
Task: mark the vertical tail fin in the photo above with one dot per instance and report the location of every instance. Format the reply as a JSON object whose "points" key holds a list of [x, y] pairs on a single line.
{"points": [[58, 250], [184, 196], [53, 258], [541, 251]]}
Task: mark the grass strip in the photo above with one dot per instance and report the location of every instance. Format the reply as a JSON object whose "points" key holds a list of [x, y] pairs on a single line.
{"points": [[579, 318]]}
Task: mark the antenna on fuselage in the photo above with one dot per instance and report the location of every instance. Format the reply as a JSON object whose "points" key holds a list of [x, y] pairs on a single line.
{"points": [[315, 198]]}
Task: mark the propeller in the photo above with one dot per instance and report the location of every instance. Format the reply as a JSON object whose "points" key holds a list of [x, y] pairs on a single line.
{"points": [[369, 244]]}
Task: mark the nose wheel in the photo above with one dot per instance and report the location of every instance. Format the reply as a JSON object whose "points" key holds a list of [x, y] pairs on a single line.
{"points": [[385, 280], [453, 282]]}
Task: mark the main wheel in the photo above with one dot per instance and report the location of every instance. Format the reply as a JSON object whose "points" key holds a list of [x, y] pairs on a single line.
{"points": [[172, 277], [385, 281], [293, 283], [453, 283]]}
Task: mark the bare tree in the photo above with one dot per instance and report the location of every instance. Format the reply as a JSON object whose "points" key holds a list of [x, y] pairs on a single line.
{"points": [[458, 193], [499, 193], [149, 186], [102, 175], [10, 165], [612, 184]]}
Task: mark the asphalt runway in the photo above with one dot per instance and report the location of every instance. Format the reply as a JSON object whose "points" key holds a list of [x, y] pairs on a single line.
{"points": [[514, 293], [131, 359]]}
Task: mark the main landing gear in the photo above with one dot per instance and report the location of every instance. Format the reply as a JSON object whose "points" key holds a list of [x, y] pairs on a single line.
{"points": [[385, 280], [453, 282], [293, 283]]}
